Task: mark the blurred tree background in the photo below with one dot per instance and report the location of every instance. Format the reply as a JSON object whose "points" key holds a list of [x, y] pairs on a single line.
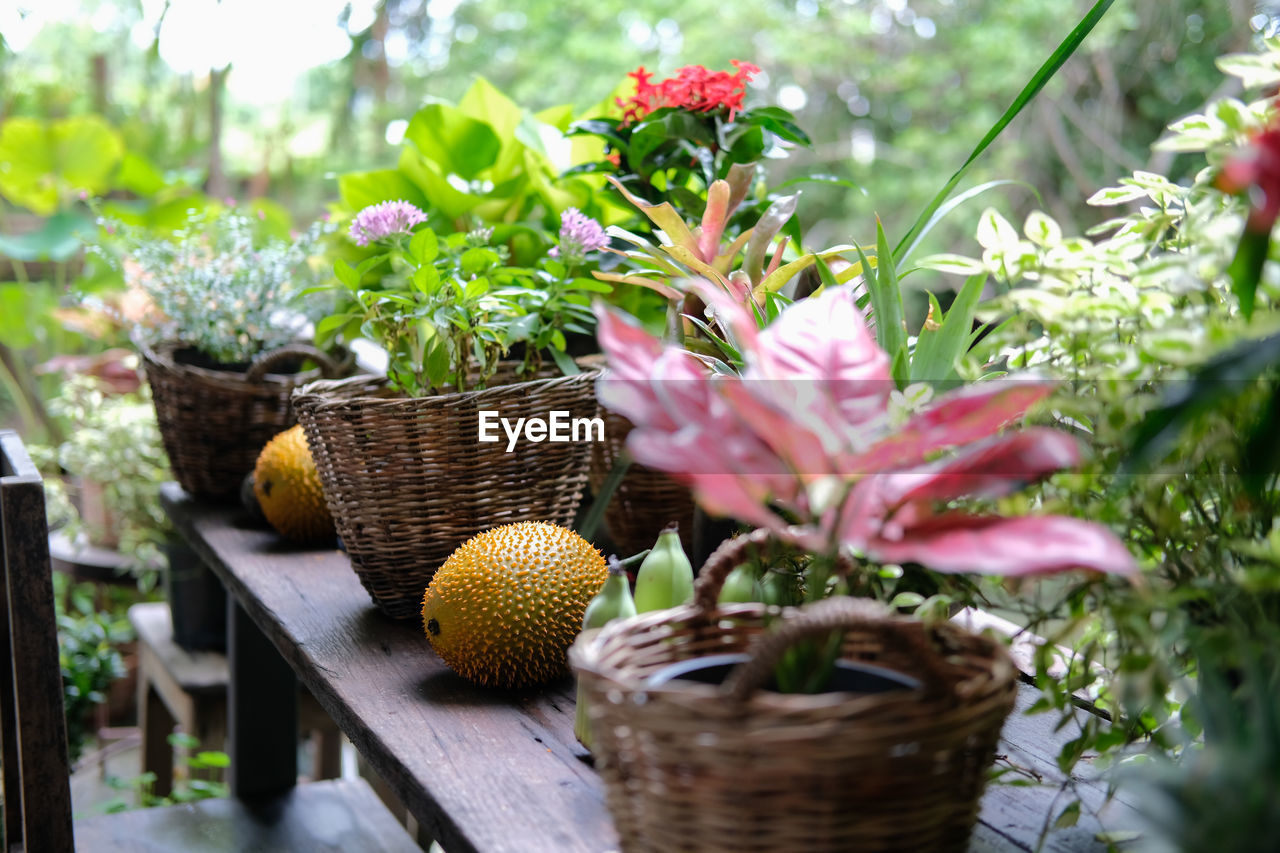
{"points": [[893, 92], [274, 100]]}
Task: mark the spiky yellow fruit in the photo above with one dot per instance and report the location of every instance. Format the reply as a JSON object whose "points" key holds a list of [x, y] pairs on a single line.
{"points": [[505, 607], [287, 486]]}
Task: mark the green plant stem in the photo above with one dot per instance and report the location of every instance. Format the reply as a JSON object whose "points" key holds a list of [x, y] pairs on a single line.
{"points": [[1029, 91], [28, 399]]}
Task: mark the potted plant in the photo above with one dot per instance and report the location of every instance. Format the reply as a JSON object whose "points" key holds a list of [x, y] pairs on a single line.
{"points": [[225, 348], [416, 462], [801, 445]]}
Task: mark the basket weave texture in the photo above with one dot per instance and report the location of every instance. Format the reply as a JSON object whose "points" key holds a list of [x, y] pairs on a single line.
{"points": [[213, 422], [407, 480], [695, 767], [646, 500]]}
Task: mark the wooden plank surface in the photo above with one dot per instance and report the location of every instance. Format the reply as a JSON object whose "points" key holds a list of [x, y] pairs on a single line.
{"points": [[500, 770]]}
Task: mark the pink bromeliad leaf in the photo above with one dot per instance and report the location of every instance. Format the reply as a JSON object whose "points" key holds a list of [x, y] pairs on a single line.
{"points": [[821, 347], [995, 467], [884, 504], [959, 418], [956, 542], [713, 221], [631, 350]]}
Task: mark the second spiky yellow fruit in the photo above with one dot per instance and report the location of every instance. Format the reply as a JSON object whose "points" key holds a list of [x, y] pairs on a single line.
{"points": [[504, 608], [287, 486]]}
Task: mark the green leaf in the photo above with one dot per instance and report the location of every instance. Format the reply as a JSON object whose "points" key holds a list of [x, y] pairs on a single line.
{"points": [[953, 264], [346, 274], [938, 350], [886, 302], [945, 210], [1067, 817], [330, 324], [433, 186], [212, 759], [456, 143], [565, 362], [1029, 91], [994, 231], [1246, 267], [361, 189], [487, 103], [424, 247], [138, 176], [1255, 71], [58, 239], [426, 280], [42, 164], [1222, 376]]}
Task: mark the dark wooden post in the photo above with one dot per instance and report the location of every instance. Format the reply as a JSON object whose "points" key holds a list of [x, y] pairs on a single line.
{"points": [[262, 711]]}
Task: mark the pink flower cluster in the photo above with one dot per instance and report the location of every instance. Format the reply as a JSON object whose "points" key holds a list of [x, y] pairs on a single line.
{"points": [[693, 88], [579, 234], [379, 221], [804, 434]]}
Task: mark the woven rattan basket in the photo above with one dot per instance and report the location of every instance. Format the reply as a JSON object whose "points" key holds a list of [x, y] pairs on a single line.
{"points": [[407, 480], [697, 767], [645, 501], [214, 422]]}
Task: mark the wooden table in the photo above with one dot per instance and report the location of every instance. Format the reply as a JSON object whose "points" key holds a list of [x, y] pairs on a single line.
{"points": [[479, 769]]}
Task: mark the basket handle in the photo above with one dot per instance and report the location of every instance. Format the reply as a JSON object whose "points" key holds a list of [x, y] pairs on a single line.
{"points": [[329, 368], [821, 618], [734, 552]]}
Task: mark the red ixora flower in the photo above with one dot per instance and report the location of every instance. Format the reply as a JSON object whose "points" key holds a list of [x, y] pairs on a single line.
{"points": [[1255, 170], [694, 88]]}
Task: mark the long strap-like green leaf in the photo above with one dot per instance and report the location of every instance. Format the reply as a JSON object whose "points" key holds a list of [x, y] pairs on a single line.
{"points": [[1029, 91]]}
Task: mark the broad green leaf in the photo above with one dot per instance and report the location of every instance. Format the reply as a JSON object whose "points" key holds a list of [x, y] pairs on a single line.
{"points": [[485, 102], [58, 239], [1029, 91], [453, 141], [434, 187], [558, 117], [43, 164], [358, 190], [139, 176]]}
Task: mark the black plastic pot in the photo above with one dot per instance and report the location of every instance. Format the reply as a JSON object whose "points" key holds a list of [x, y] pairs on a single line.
{"points": [[848, 677], [197, 600]]}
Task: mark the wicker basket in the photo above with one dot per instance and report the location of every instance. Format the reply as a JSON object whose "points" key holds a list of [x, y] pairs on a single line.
{"points": [[407, 481], [214, 422], [696, 767], [646, 500]]}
